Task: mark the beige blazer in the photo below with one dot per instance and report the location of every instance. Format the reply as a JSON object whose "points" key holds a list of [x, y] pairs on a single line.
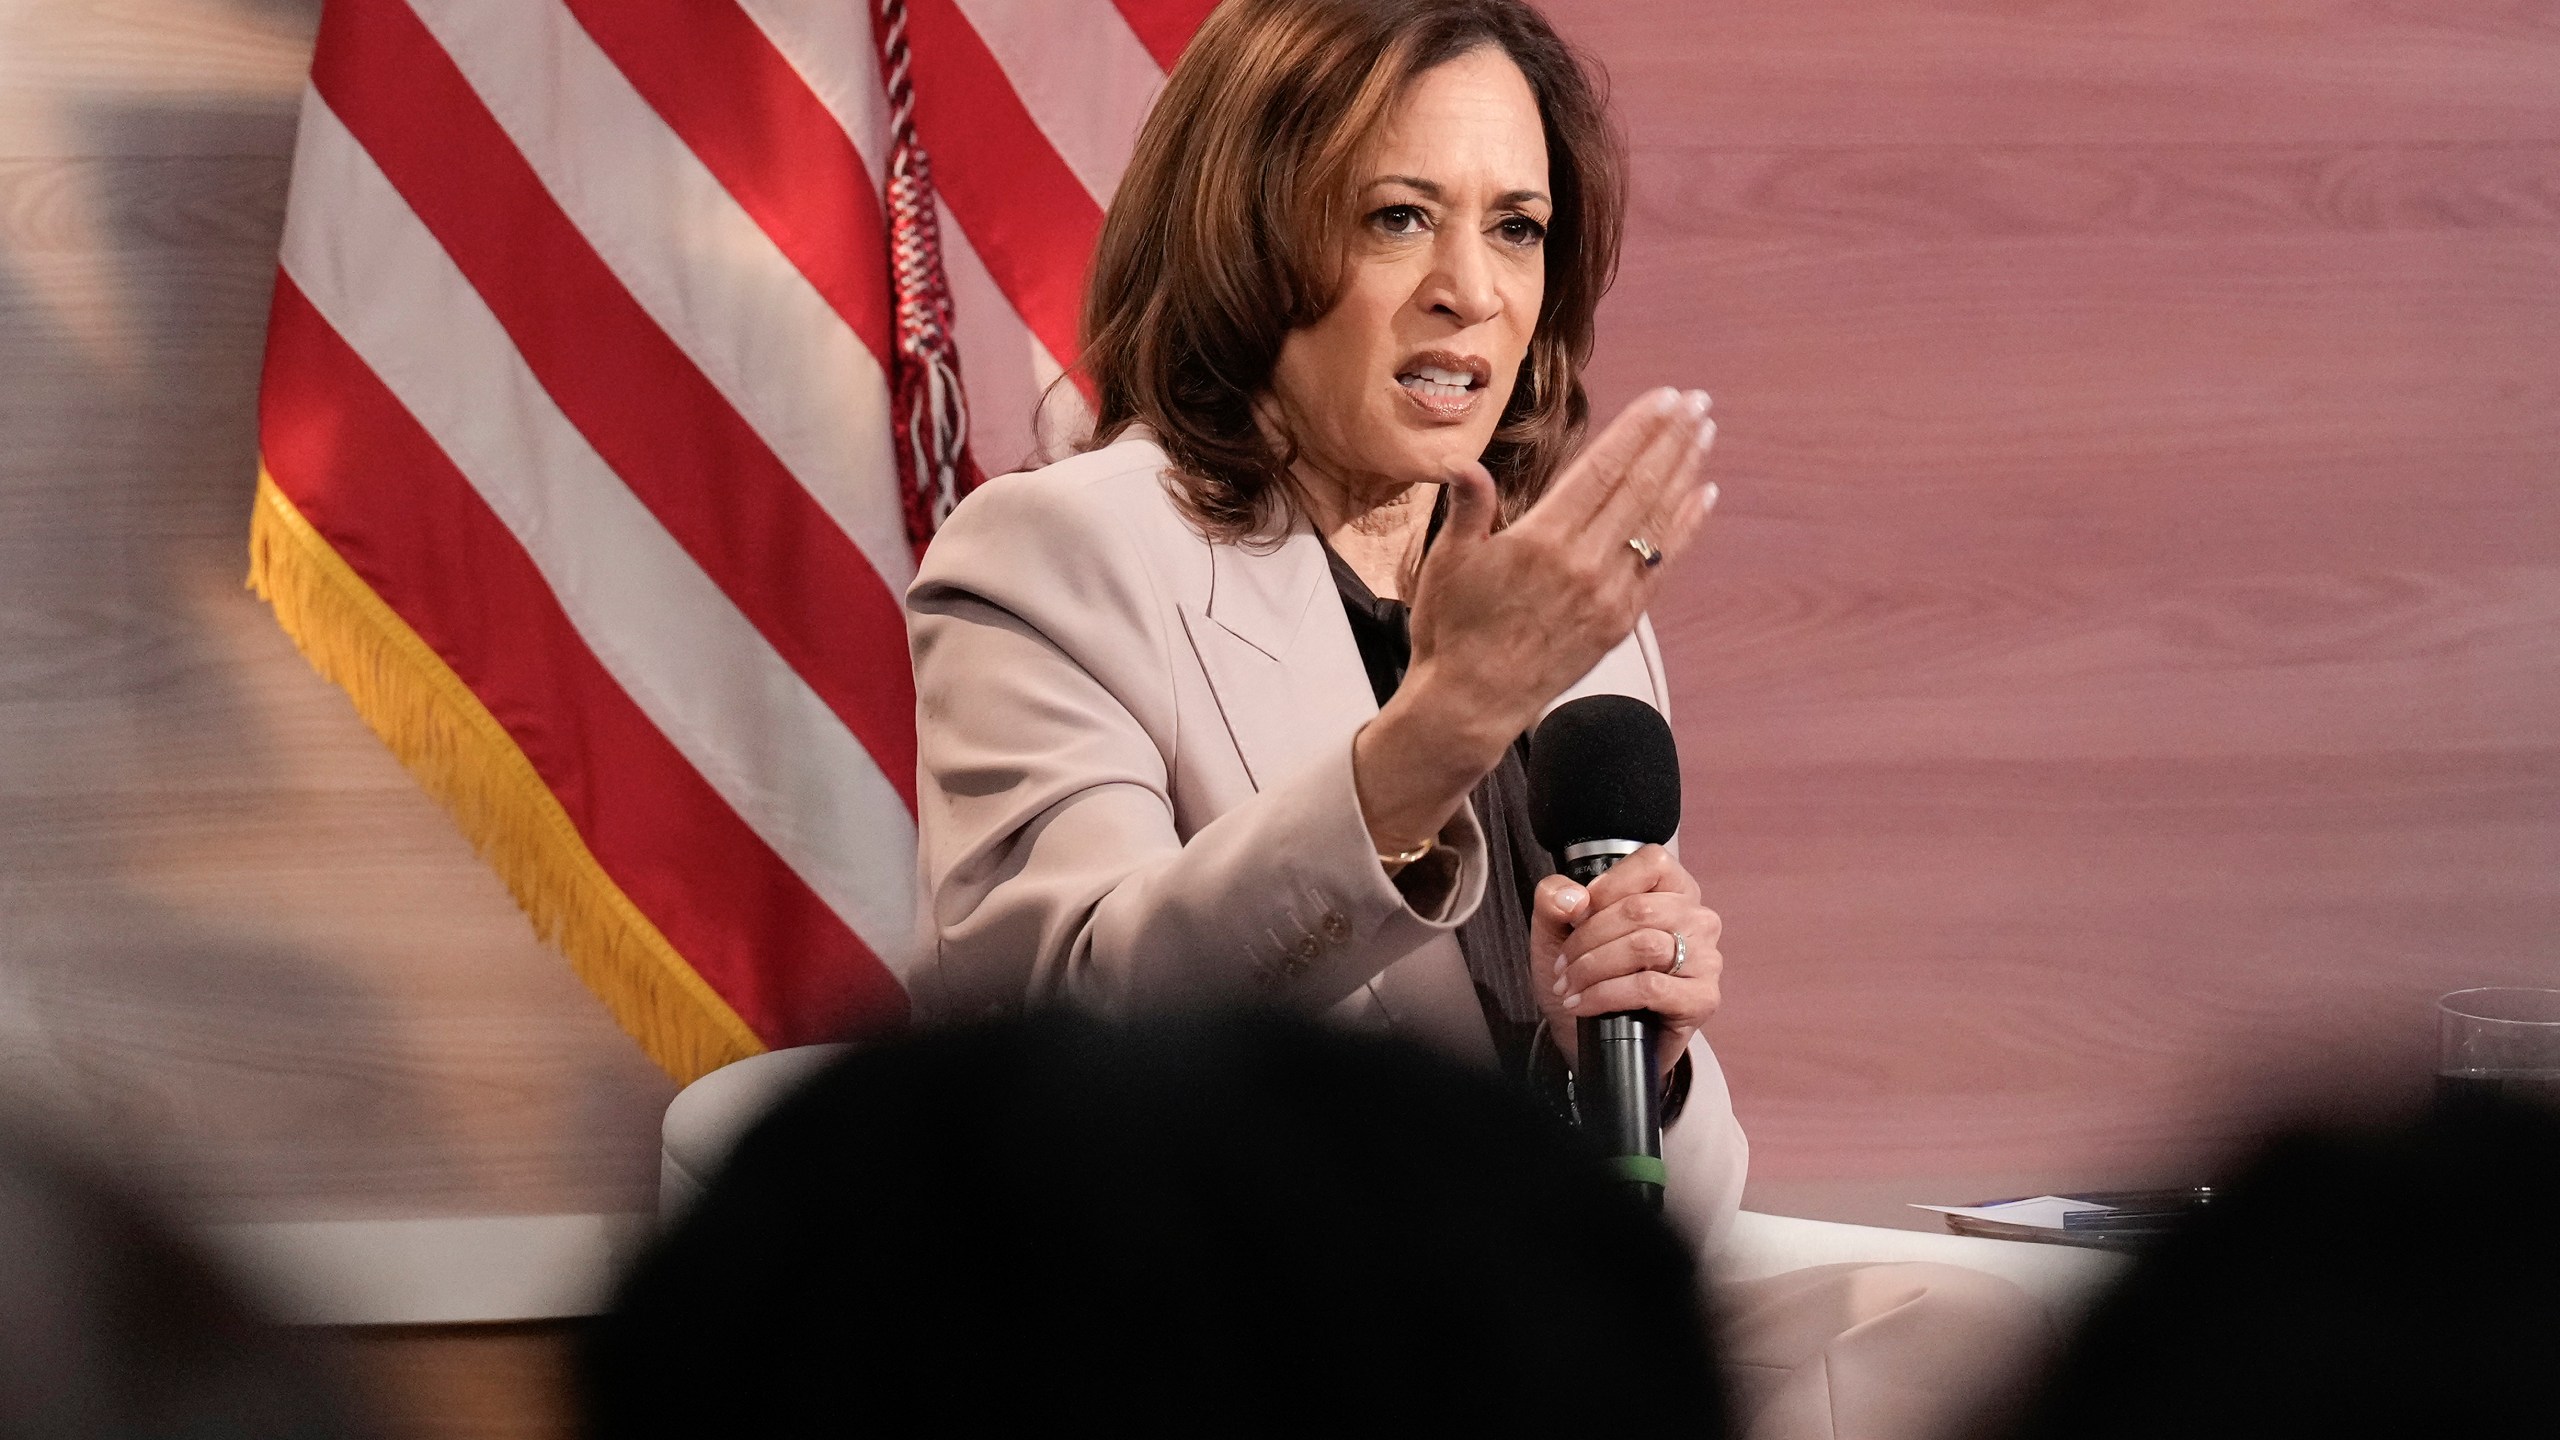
{"points": [[1134, 785]]}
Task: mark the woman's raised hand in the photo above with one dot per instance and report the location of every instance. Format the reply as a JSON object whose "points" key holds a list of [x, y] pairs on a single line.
{"points": [[1504, 620], [1507, 620]]}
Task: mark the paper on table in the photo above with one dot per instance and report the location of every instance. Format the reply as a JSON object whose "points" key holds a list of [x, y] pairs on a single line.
{"points": [[2044, 1212]]}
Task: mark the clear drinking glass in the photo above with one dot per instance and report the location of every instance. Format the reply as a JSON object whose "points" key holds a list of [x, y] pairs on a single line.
{"points": [[2500, 1041]]}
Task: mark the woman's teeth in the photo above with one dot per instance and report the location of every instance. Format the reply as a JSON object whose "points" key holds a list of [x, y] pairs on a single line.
{"points": [[1437, 383]]}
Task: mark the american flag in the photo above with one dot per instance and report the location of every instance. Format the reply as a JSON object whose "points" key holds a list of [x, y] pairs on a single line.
{"points": [[601, 330]]}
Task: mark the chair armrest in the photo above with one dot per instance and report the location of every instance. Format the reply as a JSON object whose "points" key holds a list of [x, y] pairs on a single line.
{"points": [[711, 1115]]}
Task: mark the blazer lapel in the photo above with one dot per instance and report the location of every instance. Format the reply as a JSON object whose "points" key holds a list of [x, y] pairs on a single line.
{"points": [[1287, 675], [1279, 655]]}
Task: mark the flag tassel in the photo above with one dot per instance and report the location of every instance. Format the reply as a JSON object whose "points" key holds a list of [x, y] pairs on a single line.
{"points": [[463, 757]]}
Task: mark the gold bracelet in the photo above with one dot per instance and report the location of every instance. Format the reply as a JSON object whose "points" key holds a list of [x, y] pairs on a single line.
{"points": [[1402, 858]]}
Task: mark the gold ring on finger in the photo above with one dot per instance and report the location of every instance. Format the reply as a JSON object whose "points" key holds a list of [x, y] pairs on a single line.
{"points": [[1645, 551]]}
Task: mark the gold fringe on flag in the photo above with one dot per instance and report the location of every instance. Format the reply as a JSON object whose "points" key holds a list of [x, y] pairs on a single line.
{"points": [[468, 761]]}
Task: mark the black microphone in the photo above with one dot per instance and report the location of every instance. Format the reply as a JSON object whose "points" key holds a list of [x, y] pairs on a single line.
{"points": [[1604, 779]]}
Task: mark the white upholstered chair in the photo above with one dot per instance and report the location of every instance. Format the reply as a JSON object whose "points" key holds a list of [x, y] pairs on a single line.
{"points": [[709, 1117]]}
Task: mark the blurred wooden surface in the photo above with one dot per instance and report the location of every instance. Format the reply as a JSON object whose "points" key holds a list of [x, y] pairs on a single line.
{"points": [[465, 1382], [240, 946], [2124, 665], [2119, 692]]}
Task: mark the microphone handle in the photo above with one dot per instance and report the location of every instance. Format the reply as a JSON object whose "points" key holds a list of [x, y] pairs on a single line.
{"points": [[1615, 1093]]}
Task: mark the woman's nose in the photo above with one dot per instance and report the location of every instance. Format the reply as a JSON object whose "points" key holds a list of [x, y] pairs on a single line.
{"points": [[1462, 284]]}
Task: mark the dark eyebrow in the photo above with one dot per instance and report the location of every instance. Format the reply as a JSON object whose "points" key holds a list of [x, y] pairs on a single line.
{"points": [[1410, 182], [1432, 189]]}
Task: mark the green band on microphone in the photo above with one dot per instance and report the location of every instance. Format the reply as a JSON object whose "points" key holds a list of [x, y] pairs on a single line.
{"points": [[1647, 1168]]}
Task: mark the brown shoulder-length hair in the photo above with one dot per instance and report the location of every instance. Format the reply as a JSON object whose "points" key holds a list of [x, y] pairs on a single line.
{"points": [[1233, 221]]}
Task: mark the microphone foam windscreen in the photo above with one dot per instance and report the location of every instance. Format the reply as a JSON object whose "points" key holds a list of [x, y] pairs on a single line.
{"points": [[1603, 767]]}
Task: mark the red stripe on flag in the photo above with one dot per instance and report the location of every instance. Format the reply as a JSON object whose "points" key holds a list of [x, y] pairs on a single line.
{"points": [[1165, 26], [1023, 210], [371, 479], [629, 389], [740, 106]]}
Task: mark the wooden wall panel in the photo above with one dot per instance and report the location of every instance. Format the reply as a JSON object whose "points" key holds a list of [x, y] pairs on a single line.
{"points": [[239, 944], [2212, 72], [2120, 686]]}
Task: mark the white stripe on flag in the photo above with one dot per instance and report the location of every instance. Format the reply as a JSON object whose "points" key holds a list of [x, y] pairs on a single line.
{"points": [[1064, 419], [995, 357], [791, 367], [662, 628], [829, 43], [1082, 74], [1002, 365]]}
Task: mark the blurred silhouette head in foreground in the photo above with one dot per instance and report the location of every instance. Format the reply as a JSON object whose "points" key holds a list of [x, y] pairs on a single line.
{"points": [[2387, 1280], [113, 1328], [1231, 1225]]}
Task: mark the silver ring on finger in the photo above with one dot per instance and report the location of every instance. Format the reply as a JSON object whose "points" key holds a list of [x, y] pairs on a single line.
{"points": [[1645, 551], [1679, 953]]}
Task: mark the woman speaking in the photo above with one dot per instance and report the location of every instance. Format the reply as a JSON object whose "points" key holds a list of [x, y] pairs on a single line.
{"points": [[1229, 707]]}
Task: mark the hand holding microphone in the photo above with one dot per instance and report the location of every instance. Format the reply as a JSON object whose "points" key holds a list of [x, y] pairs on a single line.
{"points": [[1612, 946], [1620, 928]]}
